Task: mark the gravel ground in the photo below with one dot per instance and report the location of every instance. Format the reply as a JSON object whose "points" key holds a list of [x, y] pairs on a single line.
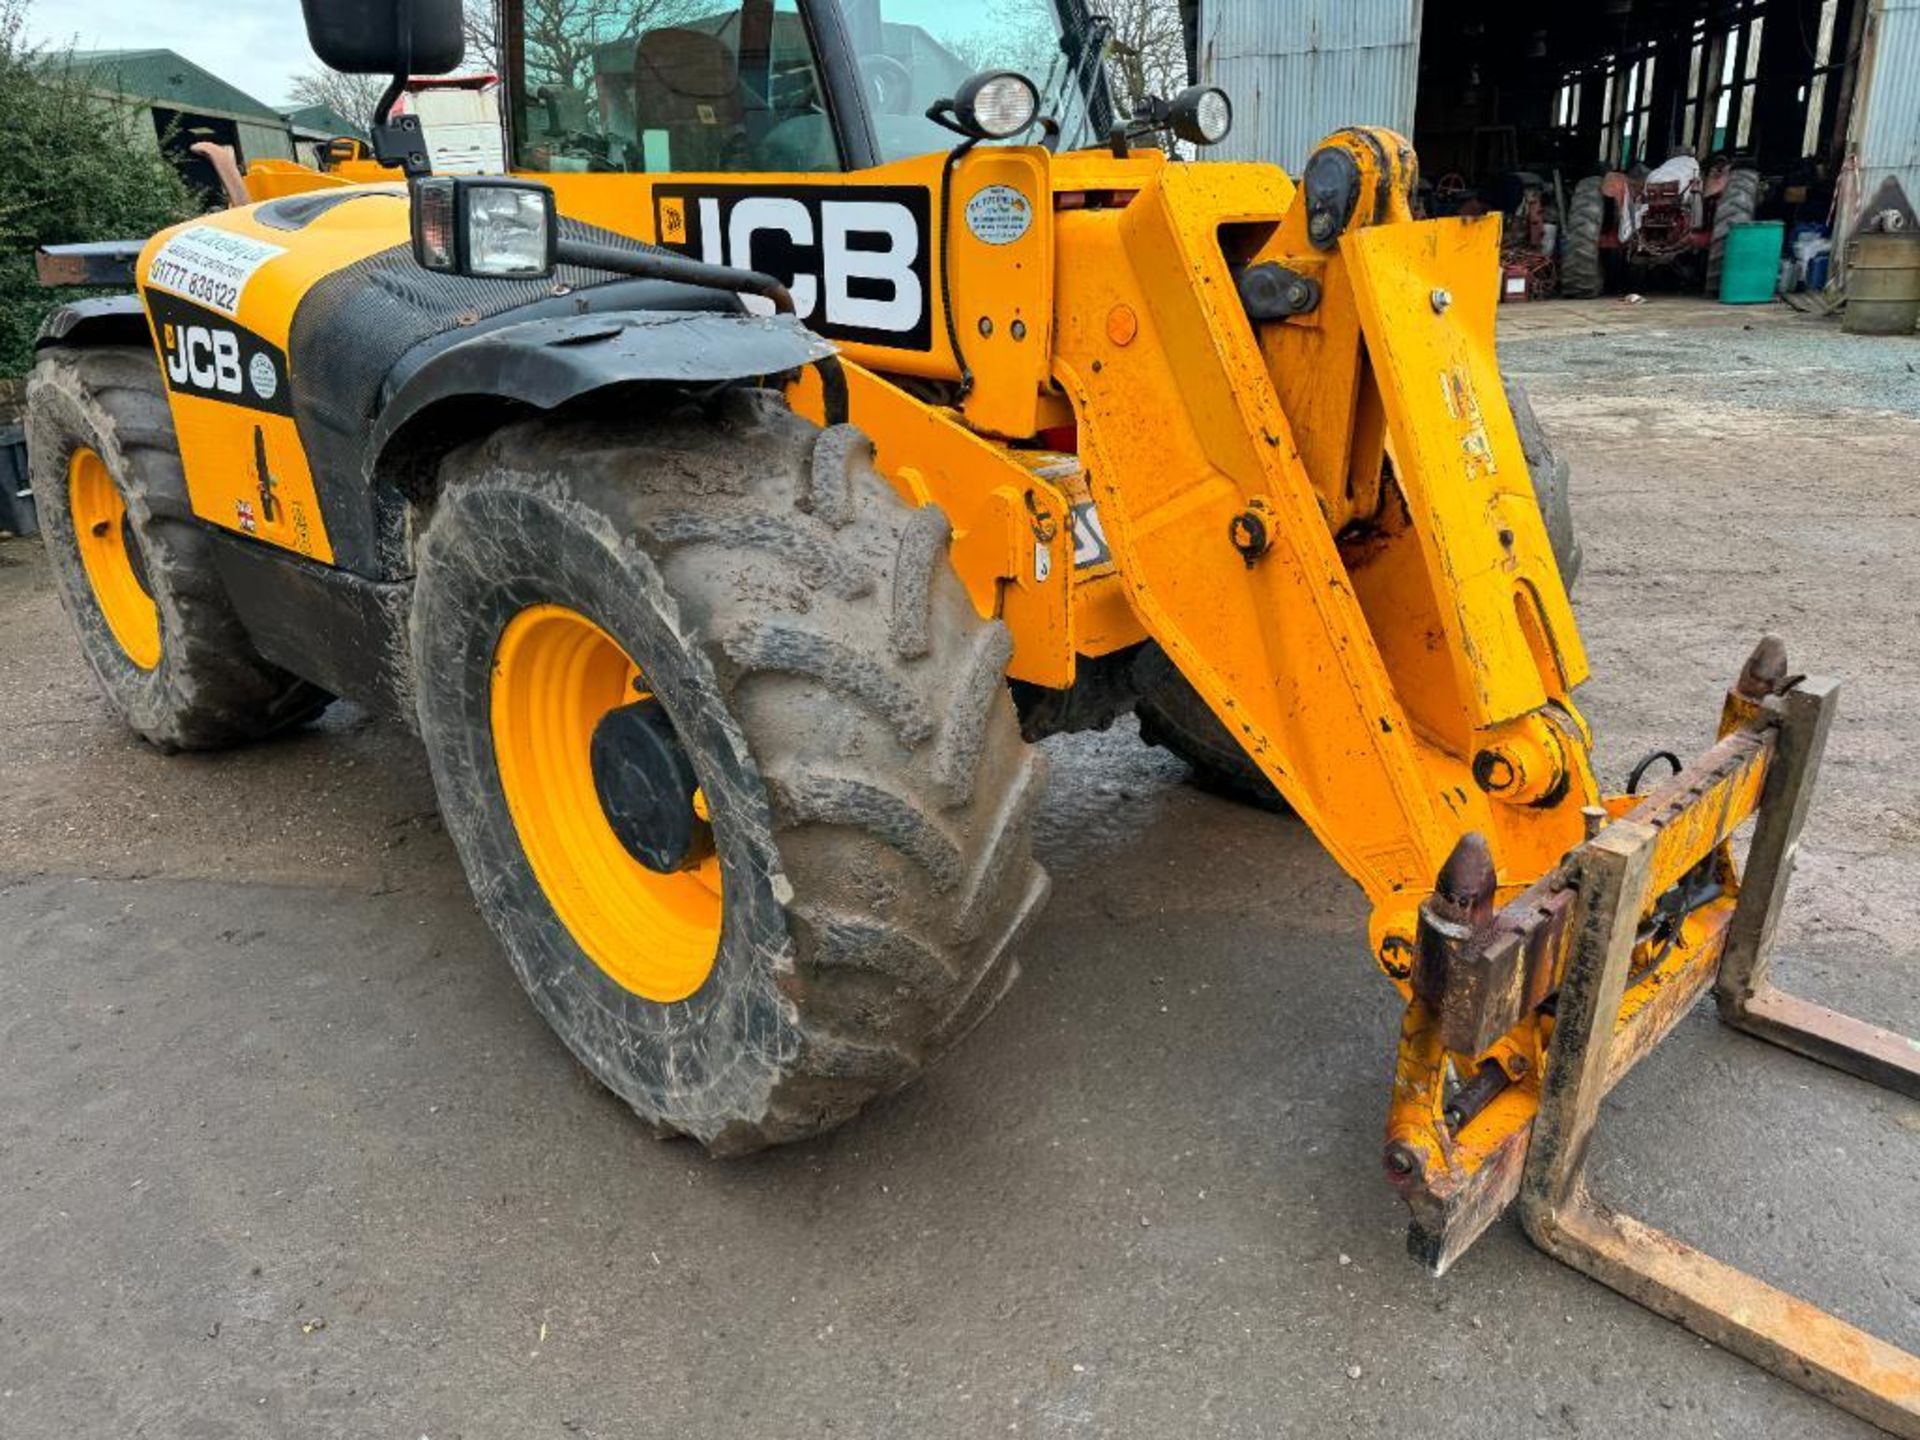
{"points": [[1771, 360], [283, 1152]]}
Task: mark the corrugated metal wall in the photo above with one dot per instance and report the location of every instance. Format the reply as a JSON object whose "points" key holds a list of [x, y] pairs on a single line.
{"points": [[1299, 69], [1889, 126]]}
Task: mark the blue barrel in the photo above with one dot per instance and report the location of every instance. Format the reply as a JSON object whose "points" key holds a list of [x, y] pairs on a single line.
{"points": [[1750, 268]]}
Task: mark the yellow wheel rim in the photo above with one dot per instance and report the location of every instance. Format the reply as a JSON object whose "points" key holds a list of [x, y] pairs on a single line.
{"points": [[106, 551], [555, 675]]}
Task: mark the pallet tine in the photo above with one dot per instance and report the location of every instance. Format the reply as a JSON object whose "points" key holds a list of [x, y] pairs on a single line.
{"points": [[1748, 999], [1795, 1340]]}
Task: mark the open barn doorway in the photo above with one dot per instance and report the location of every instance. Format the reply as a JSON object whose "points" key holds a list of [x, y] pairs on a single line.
{"points": [[1623, 138]]}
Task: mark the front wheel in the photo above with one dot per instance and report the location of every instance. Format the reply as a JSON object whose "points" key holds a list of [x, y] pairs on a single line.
{"points": [[728, 758]]}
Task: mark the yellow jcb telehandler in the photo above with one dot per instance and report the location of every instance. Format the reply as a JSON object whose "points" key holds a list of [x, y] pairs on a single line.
{"points": [[813, 420]]}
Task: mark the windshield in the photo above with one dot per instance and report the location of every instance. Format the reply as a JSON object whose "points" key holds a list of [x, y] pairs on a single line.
{"points": [[737, 85], [914, 52]]}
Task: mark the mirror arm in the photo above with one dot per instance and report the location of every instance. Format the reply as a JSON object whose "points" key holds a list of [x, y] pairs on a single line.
{"points": [[399, 140]]}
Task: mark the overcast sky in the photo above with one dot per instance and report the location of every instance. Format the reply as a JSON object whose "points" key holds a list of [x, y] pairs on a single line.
{"points": [[258, 45]]}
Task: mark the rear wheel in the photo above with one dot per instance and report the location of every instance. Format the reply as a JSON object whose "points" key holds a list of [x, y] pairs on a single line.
{"points": [[728, 757], [1739, 202], [1173, 715], [134, 568], [1581, 276]]}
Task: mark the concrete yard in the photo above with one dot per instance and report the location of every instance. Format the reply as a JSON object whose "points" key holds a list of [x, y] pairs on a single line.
{"points": [[284, 1152]]}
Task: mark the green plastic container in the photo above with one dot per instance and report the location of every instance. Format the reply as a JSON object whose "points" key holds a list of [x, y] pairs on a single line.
{"points": [[1750, 268]]}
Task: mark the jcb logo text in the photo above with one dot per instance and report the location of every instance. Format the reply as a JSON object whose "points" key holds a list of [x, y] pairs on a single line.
{"points": [[204, 359], [855, 258]]}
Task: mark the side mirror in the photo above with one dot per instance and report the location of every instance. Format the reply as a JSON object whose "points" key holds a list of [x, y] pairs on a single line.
{"points": [[386, 37]]}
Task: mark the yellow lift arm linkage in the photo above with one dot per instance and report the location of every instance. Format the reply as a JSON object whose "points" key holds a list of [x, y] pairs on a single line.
{"points": [[1393, 644]]}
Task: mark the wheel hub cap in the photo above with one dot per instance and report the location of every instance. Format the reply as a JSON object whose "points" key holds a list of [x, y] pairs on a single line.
{"points": [[647, 788]]}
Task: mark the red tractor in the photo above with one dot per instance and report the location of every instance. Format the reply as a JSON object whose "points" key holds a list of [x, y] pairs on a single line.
{"points": [[1672, 218]]}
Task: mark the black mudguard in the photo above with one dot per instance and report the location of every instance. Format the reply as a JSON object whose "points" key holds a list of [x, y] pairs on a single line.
{"points": [[378, 345], [100, 320], [546, 363], [390, 366]]}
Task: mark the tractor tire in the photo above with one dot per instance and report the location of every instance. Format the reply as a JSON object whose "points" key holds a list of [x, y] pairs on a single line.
{"points": [[847, 737], [1173, 715], [135, 569], [1581, 274], [1739, 202], [1551, 488]]}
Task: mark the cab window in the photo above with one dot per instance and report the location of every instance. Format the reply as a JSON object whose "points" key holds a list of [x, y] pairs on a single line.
{"points": [[658, 86], [914, 52]]}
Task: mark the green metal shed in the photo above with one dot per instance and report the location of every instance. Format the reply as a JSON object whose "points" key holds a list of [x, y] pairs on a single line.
{"points": [[185, 104]]}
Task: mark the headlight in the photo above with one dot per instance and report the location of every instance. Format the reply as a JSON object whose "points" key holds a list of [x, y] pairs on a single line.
{"points": [[996, 104], [510, 230], [1201, 114], [484, 226]]}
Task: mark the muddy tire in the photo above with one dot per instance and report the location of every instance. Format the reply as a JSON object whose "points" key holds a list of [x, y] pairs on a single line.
{"points": [[841, 704], [1581, 275], [1739, 202], [1551, 484], [134, 568], [1173, 715]]}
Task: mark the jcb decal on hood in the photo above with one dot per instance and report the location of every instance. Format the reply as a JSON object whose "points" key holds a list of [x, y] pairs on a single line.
{"points": [[855, 257], [208, 355]]}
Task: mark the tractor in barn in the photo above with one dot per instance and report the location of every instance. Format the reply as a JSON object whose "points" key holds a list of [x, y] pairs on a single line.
{"points": [[1622, 229]]}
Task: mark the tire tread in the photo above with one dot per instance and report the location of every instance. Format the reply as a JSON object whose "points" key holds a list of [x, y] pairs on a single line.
{"points": [[873, 700], [211, 688]]}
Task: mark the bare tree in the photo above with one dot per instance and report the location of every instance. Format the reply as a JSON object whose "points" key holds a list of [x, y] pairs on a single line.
{"points": [[352, 96], [559, 37], [1011, 35], [1148, 54], [482, 20]]}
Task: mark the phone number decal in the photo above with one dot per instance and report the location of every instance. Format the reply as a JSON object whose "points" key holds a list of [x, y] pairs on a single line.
{"points": [[210, 266]]}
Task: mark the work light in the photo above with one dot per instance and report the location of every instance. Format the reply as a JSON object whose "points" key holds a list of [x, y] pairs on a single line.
{"points": [[1201, 114], [996, 104], [484, 226]]}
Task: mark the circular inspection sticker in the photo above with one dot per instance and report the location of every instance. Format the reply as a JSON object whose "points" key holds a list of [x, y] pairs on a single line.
{"points": [[266, 380], [999, 215]]}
